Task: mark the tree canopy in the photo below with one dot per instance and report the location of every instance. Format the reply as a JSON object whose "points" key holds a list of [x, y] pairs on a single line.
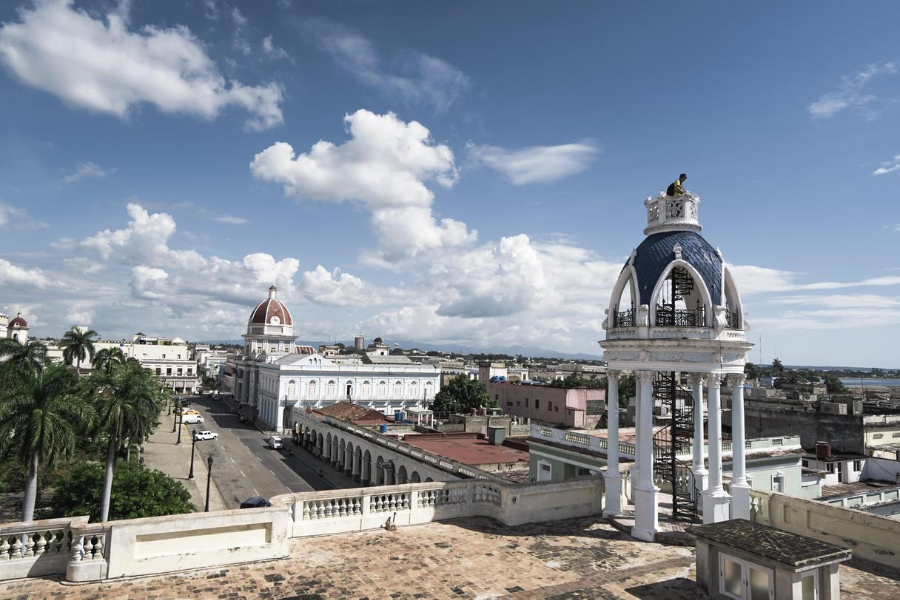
{"points": [[137, 492], [461, 395]]}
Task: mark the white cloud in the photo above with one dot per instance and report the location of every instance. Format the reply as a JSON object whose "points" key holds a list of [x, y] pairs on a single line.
{"points": [[84, 265], [271, 50], [148, 282], [852, 94], [757, 280], [105, 67], [889, 166], [230, 220], [385, 166], [11, 274], [80, 313], [85, 170], [414, 77], [334, 288], [12, 217], [535, 164]]}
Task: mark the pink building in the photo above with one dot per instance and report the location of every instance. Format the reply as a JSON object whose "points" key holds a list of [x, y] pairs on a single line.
{"points": [[562, 406]]}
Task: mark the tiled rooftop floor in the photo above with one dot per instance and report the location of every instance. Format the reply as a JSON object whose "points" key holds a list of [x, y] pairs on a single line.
{"points": [[468, 558]]}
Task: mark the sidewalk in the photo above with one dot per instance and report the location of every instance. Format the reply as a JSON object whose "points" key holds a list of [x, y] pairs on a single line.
{"points": [[162, 453]]}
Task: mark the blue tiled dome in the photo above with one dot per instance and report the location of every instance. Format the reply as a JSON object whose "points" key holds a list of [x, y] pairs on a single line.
{"points": [[655, 253]]}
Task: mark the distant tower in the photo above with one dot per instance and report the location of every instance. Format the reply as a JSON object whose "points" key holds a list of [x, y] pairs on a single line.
{"points": [[675, 313], [359, 342], [18, 329]]}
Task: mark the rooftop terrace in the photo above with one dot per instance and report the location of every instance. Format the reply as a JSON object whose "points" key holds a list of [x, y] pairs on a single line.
{"points": [[465, 558]]}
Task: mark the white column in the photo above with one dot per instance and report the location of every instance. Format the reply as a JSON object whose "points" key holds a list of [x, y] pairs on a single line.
{"points": [[636, 467], [740, 489], [646, 509], [715, 500], [613, 478], [699, 466]]}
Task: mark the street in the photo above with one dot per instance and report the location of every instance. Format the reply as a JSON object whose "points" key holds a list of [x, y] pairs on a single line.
{"points": [[245, 466]]}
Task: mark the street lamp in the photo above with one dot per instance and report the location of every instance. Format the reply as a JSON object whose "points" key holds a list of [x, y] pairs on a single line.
{"points": [[179, 430], [209, 462], [193, 443], [175, 422]]}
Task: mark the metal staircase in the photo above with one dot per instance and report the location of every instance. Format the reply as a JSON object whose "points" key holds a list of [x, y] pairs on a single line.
{"points": [[675, 439]]}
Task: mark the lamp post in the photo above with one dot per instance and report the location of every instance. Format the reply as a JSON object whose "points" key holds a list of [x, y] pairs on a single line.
{"points": [[175, 422], [181, 426], [193, 443], [169, 405], [209, 462]]}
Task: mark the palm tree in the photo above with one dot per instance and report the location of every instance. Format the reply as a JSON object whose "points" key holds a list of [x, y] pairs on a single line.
{"points": [[41, 420], [108, 359], [30, 356], [77, 345], [127, 405], [777, 366]]}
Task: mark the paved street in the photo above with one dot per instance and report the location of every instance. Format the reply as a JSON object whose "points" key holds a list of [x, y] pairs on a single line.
{"points": [[244, 465]]}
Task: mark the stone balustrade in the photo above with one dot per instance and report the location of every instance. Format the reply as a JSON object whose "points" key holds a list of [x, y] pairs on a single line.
{"points": [[83, 551], [567, 437]]}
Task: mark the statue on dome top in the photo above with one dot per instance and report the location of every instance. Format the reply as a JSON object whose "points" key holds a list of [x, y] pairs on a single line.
{"points": [[676, 188]]}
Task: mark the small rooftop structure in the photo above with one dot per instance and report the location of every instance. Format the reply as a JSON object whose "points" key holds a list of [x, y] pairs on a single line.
{"points": [[743, 559], [355, 413], [471, 449]]}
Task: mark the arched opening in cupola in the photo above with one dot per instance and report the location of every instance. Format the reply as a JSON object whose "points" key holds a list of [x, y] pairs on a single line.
{"points": [[623, 311], [679, 301], [733, 311]]}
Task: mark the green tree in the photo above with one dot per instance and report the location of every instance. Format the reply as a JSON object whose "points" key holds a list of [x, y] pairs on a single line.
{"points": [[778, 367], [108, 359], [577, 381], [137, 492], [127, 403], [461, 395], [834, 384], [750, 371], [30, 356], [78, 345], [41, 420]]}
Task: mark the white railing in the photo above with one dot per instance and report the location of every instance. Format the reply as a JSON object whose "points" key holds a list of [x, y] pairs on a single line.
{"points": [[574, 439], [672, 210]]}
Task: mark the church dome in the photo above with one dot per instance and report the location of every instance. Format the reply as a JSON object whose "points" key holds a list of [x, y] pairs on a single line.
{"points": [[657, 252], [18, 322], [271, 311]]}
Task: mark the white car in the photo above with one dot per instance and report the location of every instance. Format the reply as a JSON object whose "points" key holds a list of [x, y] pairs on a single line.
{"points": [[192, 419], [275, 442], [206, 435]]}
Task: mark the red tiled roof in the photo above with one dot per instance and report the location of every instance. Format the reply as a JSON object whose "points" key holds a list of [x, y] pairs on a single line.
{"points": [[268, 308], [352, 412], [18, 322], [467, 448]]}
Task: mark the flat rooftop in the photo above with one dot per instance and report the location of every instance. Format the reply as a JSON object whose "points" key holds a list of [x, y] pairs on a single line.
{"points": [[465, 558], [467, 448]]}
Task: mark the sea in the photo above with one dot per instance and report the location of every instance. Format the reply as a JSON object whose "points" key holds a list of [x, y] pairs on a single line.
{"points": [[870, 382]]}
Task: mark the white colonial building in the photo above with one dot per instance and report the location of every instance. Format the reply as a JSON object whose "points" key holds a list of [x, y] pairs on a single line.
{"points": [[16, 329], [675, 320], [274, 376]]}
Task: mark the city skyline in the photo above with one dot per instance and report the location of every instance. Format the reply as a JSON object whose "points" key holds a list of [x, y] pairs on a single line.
{"points": [[462, 175]]}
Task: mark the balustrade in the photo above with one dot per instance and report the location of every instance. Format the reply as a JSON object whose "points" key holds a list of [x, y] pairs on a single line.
{"points": [[34, 543]]}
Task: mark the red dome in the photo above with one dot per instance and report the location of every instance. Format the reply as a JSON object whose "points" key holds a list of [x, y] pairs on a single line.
{"points": [[271, 312], [19, 322]]}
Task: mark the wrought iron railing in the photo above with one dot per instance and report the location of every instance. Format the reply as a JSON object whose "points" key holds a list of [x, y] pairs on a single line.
{"points": [[666, 316], [731, 319], [623, 318]]}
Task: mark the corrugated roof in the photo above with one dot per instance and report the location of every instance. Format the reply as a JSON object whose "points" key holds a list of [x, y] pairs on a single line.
{"points": [[656, 252]]}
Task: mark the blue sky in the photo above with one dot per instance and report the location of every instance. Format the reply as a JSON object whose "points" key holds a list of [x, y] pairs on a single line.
{"points": [[460, 173]]}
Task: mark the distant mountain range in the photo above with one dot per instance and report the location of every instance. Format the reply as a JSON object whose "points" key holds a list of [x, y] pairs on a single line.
{"points": [[529, 351]]}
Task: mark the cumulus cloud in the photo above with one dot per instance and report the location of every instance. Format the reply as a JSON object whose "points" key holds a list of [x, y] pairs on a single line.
{"points": [[334, 288], [852, 94], [385, 166], [11, 274], [144, 241], [414, 77], [86, 170], [106, 67], [889, 166], [755, 280], [535, 164]]}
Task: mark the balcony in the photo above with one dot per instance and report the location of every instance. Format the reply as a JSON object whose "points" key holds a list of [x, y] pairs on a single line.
{"points": [[672, 212], [669, 316]]}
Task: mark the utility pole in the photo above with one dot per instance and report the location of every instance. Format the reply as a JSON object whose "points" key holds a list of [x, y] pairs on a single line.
{"points": [[209, 464]]}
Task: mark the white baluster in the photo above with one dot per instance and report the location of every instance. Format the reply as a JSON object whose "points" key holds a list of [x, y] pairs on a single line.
{"points": [[4, 549], [41, 543], [305, 511], [77, 547], [98, 547], [16, 547], [29, 545]]}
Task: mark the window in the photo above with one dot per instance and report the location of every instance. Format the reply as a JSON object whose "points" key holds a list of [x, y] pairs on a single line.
{"points": [[840, 471], [509, 402], [778, 483], [555, 409], [190, 371], [496, 396], [808, 585], [158, 371], [332, 387], [382, 389], [398, 389], [830, 467], [878, 436], [169, 371], [805, 464], [896, 434], [311, 389], [744, 580], [526, 402], [582, 472], [164, 355], [857, 465], [545, 471], [179, 372], [549, 406], [537, 403]]}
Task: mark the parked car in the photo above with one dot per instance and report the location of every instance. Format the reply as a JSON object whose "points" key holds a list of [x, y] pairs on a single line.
{"points": [[275, 442], [207, 435], [192, 419], [255, 502]]}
